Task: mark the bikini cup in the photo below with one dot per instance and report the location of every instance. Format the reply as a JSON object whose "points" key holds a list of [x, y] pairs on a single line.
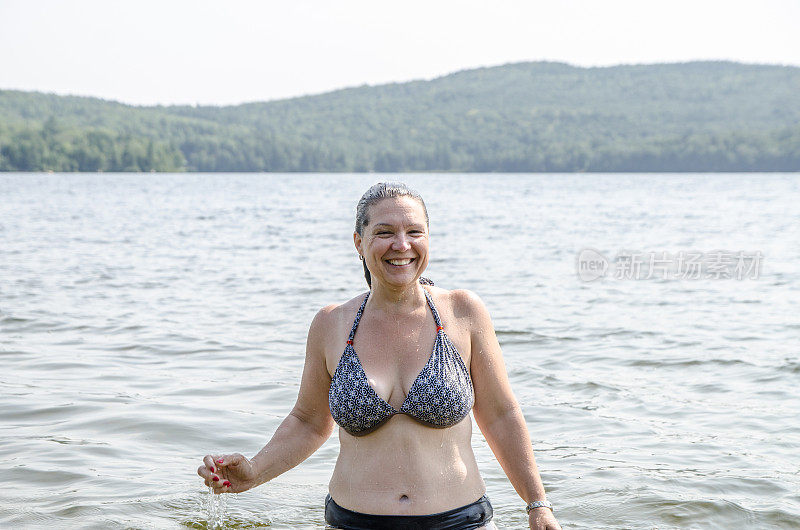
{"points": [[440, 396]]}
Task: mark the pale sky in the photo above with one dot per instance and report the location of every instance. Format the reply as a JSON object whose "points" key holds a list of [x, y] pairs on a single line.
{"points": [[202, 52]]}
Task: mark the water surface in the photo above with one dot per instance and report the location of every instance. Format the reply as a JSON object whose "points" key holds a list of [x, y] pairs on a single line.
{"points": [[149, 319]]}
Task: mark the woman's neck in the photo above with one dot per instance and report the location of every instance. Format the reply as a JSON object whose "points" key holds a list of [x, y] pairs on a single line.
{"points": [[396, 300]]}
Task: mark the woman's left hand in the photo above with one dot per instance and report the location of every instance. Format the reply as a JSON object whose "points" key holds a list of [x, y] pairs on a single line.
{"points": [[543, 519]]}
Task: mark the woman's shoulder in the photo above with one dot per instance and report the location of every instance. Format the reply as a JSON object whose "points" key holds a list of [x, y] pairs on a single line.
{"points": [[332, 315], [462, 302], [330, 326]]}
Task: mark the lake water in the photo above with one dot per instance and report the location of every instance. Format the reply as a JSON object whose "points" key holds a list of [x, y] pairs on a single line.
{"points": [[149, 319]]}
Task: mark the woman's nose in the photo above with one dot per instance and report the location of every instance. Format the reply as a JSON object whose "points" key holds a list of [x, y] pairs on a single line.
{"points": [[401, 243]]}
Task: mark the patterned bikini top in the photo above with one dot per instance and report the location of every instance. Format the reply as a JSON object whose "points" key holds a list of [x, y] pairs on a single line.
{"points": [[440, 396]]}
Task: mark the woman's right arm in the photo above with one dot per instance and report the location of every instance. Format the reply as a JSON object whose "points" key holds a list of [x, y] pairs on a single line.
{"points": [[303, 431]]}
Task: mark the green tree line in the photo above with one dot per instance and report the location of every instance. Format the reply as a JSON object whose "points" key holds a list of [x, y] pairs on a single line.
{"points": [[525, 117]]}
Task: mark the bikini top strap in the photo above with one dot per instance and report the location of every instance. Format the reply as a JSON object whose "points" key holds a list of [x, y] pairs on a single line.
{"points": [[357, 320], [433, 310], [364, 303]]}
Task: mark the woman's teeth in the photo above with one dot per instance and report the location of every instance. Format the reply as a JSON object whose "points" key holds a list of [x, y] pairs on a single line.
{"points": [[398, 262]]}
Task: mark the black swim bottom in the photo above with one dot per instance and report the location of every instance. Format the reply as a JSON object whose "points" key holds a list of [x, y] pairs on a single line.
{"points": [[474, 515]]}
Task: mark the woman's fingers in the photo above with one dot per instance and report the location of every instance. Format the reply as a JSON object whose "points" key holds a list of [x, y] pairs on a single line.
{"points": [[217, 469], [210, 479], [210, 471], [209, 461], [222, 486], [219, 484], [229, 461]]}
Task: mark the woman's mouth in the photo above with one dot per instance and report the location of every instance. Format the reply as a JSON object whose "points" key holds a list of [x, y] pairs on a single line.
{"points": [[400, 262]]}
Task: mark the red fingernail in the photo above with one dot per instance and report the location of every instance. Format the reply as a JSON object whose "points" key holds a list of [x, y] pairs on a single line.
{"points": [[212, 469], [226, 483], [219, 461], [215, 479]]}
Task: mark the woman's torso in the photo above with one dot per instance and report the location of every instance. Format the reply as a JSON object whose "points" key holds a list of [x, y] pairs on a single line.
{"points": [[402, 466]]}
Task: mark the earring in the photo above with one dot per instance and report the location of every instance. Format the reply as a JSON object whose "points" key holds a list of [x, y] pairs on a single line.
{"points": [[361, 257]]}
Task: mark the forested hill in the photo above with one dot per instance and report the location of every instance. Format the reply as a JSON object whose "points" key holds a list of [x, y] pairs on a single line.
{"points": [[701, 116]]}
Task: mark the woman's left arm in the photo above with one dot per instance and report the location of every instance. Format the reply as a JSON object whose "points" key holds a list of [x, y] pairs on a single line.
{"points": [[497, 412]]}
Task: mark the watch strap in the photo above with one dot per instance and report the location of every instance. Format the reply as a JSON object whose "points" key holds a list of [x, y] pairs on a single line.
{"points": [[538, 504]]}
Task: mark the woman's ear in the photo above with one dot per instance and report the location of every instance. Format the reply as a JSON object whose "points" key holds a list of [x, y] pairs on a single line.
{"points": [[357, 242]]}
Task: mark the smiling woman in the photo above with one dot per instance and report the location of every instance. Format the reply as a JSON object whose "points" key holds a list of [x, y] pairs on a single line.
{"points": [[427, 356], [400, 233]]}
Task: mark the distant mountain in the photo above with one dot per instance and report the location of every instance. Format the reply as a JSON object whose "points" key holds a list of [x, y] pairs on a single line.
{"points": [[552, 117]]}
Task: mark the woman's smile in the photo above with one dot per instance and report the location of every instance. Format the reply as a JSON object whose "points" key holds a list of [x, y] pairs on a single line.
{"points": [[400, 262]]}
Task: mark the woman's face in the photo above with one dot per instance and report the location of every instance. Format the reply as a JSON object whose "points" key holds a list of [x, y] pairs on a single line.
{"points": [[395, 242]]}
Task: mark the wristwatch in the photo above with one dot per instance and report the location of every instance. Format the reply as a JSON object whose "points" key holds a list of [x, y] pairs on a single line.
{"points": [[538, 504]]}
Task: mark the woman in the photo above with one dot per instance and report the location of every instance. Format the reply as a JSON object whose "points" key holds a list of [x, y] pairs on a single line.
{"points": [[426, 357]]}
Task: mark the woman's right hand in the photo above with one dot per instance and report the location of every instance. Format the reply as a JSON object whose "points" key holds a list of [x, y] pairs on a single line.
{"points": [[228, 473]]}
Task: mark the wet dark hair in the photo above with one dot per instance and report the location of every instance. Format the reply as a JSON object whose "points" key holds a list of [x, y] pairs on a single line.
{"points": [[375, 194]]}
